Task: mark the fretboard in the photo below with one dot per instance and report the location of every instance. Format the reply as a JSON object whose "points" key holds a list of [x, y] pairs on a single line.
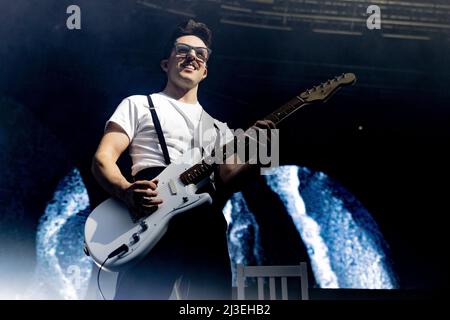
{"points": [[286, 110], [197, 173]]}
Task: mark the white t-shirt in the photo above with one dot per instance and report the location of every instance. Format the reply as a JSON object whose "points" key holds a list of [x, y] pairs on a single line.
{"points": [[179, 122]]}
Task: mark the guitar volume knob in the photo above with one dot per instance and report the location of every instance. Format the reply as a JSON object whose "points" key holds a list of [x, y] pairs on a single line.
{"points": [[143, 226], [135, 238]]}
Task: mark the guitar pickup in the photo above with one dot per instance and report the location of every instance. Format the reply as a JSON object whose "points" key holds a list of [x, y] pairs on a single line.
{"points": [[172, 187]]}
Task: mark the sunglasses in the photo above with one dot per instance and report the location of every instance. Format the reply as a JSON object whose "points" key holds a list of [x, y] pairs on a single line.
{"points": [[202, 53]]}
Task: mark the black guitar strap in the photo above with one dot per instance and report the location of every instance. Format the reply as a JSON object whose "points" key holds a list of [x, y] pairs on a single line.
{"points": [[158, 129]]}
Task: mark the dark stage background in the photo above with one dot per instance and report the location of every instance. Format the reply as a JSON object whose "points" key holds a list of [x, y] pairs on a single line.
{"points": [[384, 139]]}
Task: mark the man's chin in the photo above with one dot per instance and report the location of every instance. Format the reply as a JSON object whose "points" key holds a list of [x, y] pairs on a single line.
{"points": [[186, 83]]}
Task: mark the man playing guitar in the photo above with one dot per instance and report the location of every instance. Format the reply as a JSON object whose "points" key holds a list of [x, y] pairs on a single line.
{"points": [[194, 250]]}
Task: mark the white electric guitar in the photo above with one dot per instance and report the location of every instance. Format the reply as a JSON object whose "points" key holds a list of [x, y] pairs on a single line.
{"points": [[115, 240]]}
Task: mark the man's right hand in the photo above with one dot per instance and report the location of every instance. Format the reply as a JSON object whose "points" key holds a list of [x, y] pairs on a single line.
{"points": [[140, 197]]}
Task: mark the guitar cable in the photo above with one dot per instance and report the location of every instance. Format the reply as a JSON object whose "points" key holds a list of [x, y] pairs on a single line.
{"points": [[122, 249]]}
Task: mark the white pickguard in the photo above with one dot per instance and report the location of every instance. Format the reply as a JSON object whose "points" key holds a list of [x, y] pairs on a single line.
{"points": [[110, 226]]}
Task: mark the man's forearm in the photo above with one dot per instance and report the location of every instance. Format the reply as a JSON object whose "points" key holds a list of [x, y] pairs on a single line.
{"points": [[109, 176]]}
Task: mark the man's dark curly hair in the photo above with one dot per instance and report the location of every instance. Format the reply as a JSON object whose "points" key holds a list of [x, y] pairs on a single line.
{"points": [[189, 28]]}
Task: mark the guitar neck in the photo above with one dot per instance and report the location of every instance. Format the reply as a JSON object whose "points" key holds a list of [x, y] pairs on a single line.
{"points": [[286, 110]]}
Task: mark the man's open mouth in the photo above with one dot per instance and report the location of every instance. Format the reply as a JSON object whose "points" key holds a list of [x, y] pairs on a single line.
{"points": [[189, 66]]}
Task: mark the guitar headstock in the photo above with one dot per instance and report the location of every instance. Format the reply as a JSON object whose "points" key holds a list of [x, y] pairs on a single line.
{"points": [[323, 91]]}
